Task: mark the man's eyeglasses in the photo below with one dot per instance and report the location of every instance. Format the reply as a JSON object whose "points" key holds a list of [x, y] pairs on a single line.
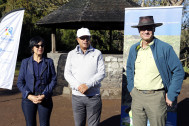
{"points": [[148, 28], [37, 46], [85, 37]]}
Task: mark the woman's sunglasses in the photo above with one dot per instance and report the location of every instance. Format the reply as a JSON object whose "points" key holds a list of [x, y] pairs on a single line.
{"points": [[37, 46]]}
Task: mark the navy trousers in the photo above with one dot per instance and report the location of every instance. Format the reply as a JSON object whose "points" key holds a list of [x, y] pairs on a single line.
{"points": [[30, 111]]}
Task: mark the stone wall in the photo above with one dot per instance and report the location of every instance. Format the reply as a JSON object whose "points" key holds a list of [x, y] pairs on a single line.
{"points": [[111, 85]]}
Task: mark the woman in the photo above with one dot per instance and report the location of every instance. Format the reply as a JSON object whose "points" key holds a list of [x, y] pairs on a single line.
{"points": [[36, 81]]}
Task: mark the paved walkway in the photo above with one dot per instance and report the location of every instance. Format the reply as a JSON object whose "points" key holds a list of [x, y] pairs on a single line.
{"points": [[11, 113]]}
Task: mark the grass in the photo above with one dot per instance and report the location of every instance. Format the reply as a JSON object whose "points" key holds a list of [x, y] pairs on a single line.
{"points": [[186, 69]]}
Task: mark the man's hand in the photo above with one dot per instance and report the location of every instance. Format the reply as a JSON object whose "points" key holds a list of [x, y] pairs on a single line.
{"points": [[169, 103], [82, 88]]}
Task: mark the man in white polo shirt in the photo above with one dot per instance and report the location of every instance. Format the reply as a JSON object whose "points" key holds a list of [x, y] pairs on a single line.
{"points": [[84, 70]]}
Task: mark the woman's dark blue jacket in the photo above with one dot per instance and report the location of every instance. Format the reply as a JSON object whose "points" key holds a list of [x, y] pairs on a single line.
{"points": [[167, 62], [26, 77]]}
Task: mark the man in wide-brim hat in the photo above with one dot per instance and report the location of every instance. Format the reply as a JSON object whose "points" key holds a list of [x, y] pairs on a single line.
{"points": [[147, 21], [154, 76]]}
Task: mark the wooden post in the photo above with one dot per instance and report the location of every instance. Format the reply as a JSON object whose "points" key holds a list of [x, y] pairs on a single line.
{"points": [[53, 40]]}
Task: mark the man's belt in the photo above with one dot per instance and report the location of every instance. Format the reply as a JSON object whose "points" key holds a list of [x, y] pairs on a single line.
{"points": [[150, 91]]}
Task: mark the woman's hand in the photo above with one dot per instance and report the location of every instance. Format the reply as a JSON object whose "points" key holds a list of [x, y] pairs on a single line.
{"points": [[40, 98], [36, 99], [33, 98]]}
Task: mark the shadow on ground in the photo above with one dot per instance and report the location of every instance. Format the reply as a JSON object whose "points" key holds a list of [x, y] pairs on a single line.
{"points": [[112, 121], [183, 112], [6, 92]]}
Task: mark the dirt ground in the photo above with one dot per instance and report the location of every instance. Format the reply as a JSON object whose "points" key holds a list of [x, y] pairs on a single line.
{"points": [[11, 113]]}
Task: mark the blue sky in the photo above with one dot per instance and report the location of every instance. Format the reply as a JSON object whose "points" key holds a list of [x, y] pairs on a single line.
{"points": [[171, 17]]}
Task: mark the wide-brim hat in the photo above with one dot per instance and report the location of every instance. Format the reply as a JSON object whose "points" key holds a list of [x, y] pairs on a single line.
{"points": [[83, 32], [147, 21]]}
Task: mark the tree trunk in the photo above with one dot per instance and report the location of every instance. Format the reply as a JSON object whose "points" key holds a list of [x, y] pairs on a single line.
{"points": [[142, 4]]}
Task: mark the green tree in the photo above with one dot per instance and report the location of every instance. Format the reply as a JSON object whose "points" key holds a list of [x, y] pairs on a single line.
{"points": [[150, 3], [65, 39], [34, 10], [2, 6]]}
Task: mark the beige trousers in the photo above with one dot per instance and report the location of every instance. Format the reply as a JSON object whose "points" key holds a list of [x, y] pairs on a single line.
{"points": [[150, 107]]}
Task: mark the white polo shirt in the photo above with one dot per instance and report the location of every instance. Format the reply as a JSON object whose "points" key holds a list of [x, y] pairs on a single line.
{"points": [[86, 69]]}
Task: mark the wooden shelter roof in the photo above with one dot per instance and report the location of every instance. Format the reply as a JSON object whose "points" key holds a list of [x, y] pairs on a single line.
{"points": [[93, 14]]}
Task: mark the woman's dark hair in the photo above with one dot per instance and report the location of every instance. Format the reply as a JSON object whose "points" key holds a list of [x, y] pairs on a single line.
{"points": [[34, 41]]}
